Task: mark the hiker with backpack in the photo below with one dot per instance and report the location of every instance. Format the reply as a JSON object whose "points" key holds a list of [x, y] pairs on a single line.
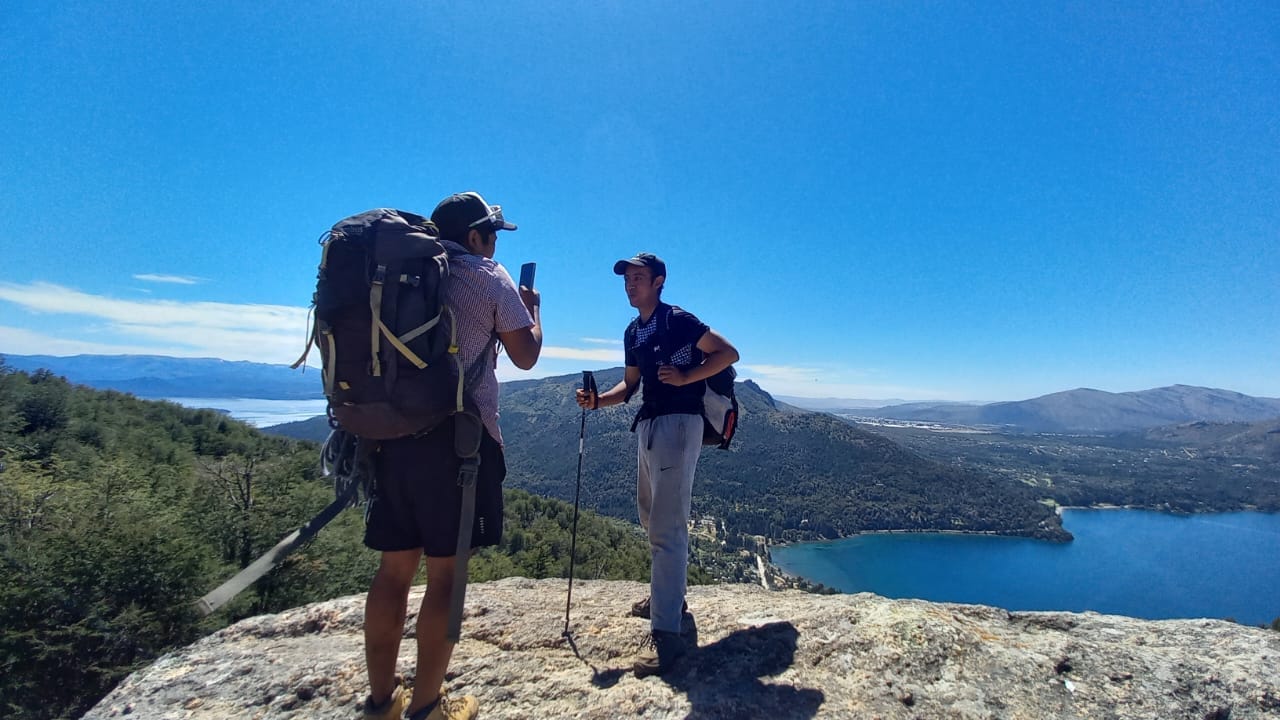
{"points": [[671, 355], [417, 505]]}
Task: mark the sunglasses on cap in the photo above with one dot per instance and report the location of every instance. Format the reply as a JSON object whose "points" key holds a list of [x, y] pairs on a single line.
{"points": [[494, 218]]}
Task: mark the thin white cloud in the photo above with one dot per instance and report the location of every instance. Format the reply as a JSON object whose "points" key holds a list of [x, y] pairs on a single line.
{"points": [[602, 341], [788, 373], [600, 355], [17, 341], [171, 279], [260, 333], [831, 381], [54, 299]]}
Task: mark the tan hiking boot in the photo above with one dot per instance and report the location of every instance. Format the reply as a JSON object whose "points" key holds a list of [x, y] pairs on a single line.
{"points": [[641, 608], [667, 648], [390, 709], [464, 707]]}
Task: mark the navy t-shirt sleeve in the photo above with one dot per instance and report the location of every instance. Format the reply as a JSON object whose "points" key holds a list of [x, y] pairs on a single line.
{"points": [[686, 326]]}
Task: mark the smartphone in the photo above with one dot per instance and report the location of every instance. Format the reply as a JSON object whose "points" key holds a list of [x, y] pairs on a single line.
{"points": [[526, 274]]}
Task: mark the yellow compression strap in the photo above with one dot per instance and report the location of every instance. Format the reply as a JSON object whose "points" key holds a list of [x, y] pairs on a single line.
{"points": [[400, 346], [375, 305], [311, 336], [455, 351], [409, 336], [330, 368], [311, 339], [324, 252]]}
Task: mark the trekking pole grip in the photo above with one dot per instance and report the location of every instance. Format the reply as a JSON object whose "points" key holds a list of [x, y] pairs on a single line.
{"points": [[589, 386]]}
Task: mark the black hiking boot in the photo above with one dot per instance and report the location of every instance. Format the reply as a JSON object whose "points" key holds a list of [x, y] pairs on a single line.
{"points": [[666, 649], [689, 630]]}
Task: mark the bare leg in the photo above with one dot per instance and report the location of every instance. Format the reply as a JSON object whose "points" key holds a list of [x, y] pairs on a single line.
{"points": [[384, 614], [434, 650]]}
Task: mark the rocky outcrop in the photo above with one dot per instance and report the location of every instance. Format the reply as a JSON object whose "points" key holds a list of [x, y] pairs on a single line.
{"points": [[762, 655]]}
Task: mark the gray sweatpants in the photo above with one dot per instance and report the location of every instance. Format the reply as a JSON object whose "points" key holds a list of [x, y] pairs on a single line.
{"points": [[667, 455]]}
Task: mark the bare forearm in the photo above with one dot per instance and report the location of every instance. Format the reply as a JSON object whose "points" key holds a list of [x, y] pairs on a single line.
{"points": [[536, 330], [615, 395]]}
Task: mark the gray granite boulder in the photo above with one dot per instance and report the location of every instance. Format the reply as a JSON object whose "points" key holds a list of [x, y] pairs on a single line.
{"points": [[762, 654]]}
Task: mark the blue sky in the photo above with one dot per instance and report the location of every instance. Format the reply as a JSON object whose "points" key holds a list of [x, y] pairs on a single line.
{"points": [[985, 201]]}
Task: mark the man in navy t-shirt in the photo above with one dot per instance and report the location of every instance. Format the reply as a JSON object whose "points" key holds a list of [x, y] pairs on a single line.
{"points": [[670, 354]]}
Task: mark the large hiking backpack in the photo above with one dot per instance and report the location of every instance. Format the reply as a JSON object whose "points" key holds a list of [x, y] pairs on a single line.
{"points": [[388, 342], [391, 363]]}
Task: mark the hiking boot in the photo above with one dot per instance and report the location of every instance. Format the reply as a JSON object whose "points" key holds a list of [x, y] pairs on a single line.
{"points": [[689, 630], [450, 708], [390, 709], [641, 609], [667, 648]]}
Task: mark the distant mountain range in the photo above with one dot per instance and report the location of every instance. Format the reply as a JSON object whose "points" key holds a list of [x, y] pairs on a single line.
{"points": [[1073, 411], [1094, 411], [158, 376]]}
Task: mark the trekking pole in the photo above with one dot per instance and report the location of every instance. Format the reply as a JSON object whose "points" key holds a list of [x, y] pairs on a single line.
{"points": [[588, 386]]}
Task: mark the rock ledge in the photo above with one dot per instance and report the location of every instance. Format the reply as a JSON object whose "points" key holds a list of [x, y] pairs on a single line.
{"points": [[762, 655]]}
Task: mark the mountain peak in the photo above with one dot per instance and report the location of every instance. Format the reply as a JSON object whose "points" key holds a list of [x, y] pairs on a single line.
{"points": [[751, 386]]}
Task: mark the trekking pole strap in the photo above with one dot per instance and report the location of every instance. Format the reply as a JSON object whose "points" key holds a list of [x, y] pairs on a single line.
{"points": [[225, 592]]}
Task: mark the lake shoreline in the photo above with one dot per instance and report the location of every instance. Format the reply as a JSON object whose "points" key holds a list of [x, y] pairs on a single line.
{"points": [[1146, 563], [1058, 510], [904, 531]]}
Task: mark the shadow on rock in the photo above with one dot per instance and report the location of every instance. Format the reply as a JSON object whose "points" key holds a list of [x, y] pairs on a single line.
{"points": [[722, 680], [602, 680]]}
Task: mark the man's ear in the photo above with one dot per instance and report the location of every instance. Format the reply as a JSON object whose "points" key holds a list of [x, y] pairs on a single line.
{"points": [[658, 281], [473, 240]]}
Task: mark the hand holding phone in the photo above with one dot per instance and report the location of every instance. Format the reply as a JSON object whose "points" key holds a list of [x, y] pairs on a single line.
{"points": [[526, 274]]}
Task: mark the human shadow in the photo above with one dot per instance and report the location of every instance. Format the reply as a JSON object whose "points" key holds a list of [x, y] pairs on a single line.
{"points": [[722, 680]]}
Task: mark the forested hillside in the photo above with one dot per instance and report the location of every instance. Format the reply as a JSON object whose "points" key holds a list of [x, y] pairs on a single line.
{"points": [[117, 513], [1196, 467], [789, 475]]}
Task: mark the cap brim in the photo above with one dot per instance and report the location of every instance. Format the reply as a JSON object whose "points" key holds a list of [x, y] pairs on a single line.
{"points": [[620, 267], [505, 226]]}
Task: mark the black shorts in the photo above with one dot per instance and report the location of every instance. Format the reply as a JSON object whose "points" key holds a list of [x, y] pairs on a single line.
{"points": [[416, 500]]}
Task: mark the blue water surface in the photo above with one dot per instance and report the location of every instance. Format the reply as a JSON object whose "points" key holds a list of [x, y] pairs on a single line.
{"points": [[258, 412], [1126, 562]]}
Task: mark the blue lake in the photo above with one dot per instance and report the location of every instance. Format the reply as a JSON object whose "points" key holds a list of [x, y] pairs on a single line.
{"points": [[258, 412], [1126, 562]]}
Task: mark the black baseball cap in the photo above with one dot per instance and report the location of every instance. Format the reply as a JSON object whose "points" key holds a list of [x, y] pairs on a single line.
{"points": [[460, 212], [643, 259]]}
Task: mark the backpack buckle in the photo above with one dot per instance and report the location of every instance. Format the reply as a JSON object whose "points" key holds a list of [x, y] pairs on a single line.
{"points": [[380, 275]]}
